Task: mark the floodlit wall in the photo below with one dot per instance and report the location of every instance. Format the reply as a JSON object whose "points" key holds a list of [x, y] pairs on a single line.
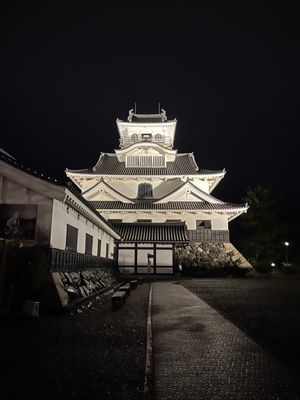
{"points": [[129, 188], [63, 215], [218, 222]]}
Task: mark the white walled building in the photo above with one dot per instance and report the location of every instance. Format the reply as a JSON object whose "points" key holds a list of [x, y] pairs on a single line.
{"points": [[38, 211], [155, 197]]}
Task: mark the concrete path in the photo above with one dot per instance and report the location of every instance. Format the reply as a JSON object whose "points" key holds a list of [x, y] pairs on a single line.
{"points": [[200, 355]]}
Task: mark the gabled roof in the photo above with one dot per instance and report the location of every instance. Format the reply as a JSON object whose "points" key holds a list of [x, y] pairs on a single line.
{"points": [[108, 164], [194, 190], [109, 189], [154, 232], [52, 188], [76, 192], [167, 187]]}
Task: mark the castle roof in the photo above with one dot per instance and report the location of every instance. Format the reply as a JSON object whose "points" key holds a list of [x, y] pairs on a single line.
{"points": [[108, 164], [147, 118], [154, 232], [54, 188], [171, 205]]}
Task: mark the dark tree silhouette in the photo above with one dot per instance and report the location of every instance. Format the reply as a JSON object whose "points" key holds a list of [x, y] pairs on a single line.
{"points": [[263, 228]]}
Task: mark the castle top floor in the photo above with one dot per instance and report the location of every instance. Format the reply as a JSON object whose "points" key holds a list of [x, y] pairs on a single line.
{"points": [[147, 128]]}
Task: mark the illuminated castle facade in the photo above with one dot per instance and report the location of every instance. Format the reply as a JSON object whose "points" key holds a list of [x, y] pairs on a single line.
{"points": [[156, 197]]}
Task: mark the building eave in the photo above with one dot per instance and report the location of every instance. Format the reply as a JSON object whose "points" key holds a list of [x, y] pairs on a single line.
{"points": [[89, 212]]}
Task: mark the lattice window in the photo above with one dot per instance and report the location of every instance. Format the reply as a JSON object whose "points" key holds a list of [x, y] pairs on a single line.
{"points": [[71, 238], [134, 138], [145, 190], [145, 161]]}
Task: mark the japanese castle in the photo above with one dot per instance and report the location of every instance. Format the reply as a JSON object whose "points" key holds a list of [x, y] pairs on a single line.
{"points": [[156, 198]]}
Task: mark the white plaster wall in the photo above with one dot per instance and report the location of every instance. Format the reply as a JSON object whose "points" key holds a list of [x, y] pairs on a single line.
{"points": [[219, 222], [126, 129], [63, 215], [201, 184], [186, 196]]}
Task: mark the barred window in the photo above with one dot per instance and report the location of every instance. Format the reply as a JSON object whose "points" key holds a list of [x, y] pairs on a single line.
{"points": [[145, 190], [88, 244], [99, 248], [71, 238], [145, 161]]}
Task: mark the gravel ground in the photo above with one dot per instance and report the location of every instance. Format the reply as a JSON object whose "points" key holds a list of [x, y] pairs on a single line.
{"points": [[90, 352], [268, 310]]}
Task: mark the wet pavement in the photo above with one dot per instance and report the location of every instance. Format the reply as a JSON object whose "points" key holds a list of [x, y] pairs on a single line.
{"points": [[198, 354]]}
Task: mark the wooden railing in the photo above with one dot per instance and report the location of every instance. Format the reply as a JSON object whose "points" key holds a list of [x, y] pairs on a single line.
{"points": [[67, 261]]}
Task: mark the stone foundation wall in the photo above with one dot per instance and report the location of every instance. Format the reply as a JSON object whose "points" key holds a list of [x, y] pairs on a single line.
{"points": [[72, 286], [210, 257]]}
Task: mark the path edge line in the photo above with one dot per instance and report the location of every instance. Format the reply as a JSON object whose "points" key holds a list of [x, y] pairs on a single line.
{"points": [[149, 348]]}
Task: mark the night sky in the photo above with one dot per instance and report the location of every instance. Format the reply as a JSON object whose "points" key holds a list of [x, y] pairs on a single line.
{"points": [[229, 75]]}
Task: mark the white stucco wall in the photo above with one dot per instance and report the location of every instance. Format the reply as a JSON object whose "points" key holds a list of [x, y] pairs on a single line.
{"points": [[63, 215], [218, 221], [166, 129]]}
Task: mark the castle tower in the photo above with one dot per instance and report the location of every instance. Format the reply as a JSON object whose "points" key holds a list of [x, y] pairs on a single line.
{"points": [[156, 197]]}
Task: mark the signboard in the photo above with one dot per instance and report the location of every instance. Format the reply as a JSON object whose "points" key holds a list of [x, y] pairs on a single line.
{"points": [[18, 221]]}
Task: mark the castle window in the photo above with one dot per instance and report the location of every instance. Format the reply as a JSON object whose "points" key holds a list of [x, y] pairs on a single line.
{"points": [[146, 137], [134, 138], [145, 161], [88, 244], [71, 238], [99, 248], [206, 224], [145, 190]]}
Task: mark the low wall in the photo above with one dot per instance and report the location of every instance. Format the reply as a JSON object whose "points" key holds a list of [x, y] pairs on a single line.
{"points": [[73, 286], [26, 274]]}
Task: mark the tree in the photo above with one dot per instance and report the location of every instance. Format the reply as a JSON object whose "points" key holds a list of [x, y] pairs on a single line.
{"points": [[262, 228]]}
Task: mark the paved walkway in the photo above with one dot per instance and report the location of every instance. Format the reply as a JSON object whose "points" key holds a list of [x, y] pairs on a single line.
{"points": [[200, 355]]}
